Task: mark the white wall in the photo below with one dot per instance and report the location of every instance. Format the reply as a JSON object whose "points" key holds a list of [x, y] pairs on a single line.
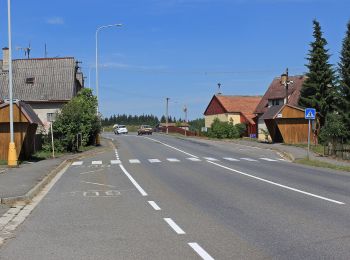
{"points": [[42, 109]]}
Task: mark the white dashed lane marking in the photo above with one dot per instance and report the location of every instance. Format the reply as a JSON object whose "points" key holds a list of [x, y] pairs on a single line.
{"points": [[154, 205], [116, 162], [77, 163], [172, 160], [200, 251], [211, 159], [96, 162], [231, 159], [134, 161], [249, 159], [194, 159], [268, 159], [174, 226], [154, 160]]}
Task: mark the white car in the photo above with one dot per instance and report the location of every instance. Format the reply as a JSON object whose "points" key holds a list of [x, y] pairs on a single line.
{"points": [[120, 129]]}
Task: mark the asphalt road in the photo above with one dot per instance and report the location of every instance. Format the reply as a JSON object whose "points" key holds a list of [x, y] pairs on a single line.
{"points": [[161, 197]]}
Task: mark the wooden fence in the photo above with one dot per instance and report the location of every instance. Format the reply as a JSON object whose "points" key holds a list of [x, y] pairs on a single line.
{"points": [[179, 130]]}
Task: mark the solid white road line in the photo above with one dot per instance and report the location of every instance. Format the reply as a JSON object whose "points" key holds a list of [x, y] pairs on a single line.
{"points": [[154, 160], [231, 159], [134, 161], [99, 184], [211, 159], [174, 226], [268, 159], [249, 159], [194, 159], [172, 160], [154, 205], [200, 251], [279, 185], [116, 162], [96, 162], [172, 147], [77, 163], [138, 187]]}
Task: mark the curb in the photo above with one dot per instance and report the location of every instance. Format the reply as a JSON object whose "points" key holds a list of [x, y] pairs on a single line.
{"points": [[39, 186]]}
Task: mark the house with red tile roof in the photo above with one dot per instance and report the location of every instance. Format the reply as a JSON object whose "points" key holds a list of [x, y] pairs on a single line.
{"points": [[273, 100], [234, 109]]}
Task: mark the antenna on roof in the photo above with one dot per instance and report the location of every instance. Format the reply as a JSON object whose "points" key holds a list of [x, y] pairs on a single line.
{"points": [[45, 54], [26, 51], [219, 89]]}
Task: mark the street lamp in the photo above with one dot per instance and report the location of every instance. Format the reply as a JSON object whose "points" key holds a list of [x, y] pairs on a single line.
{"points": [[12, 154], [286, 82], [97, 30], [167, 115]]}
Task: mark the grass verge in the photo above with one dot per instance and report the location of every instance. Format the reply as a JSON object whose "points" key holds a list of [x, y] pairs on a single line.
{"points": [[314, 163]]}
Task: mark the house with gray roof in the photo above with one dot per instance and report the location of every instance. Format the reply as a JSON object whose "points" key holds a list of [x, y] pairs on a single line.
{"points": [[44, 83]]}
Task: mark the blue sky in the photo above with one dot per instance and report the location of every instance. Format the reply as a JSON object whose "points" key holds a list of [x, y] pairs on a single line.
{"points": [[178, 49]]}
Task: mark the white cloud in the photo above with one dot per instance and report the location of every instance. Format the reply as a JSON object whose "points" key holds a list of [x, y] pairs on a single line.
{"points": [[55, 20]]}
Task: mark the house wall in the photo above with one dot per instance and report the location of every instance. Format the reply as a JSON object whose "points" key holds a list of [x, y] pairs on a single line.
{"points": [[227, 117], [42, 109]]}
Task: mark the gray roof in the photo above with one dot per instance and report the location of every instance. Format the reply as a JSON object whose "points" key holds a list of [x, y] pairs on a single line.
{"points": [[271, 112], [55, 79]]}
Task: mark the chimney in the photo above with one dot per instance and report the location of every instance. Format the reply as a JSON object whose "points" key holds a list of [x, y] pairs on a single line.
{"points": [[5, 59]]}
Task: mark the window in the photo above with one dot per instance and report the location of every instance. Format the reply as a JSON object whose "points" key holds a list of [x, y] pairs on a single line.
{"points": [[30, 80], [275, 102]]}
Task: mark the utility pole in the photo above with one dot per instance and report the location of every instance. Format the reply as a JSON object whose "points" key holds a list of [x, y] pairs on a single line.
{"points": [[185, 110], [166, 115], [286, 82]]}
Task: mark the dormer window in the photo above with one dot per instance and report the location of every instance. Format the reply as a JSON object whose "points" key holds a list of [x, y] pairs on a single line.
{"points": [[30, 80]]}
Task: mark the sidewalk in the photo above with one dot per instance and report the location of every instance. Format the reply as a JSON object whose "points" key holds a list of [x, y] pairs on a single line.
{"points": [[23, 183]]}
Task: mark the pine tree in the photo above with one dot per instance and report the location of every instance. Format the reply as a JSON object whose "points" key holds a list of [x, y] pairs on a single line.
{"points": [[344, 74], [318, 90]]}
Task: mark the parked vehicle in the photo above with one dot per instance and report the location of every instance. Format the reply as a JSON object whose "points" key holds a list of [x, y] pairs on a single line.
{"points": [[120, 129], [145, 130]]}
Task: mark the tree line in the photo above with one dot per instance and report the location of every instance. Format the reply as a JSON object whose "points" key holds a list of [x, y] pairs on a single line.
{"points": [[137, 120], [327, 86]]}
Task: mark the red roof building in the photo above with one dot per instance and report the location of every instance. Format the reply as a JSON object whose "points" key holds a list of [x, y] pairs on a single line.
{"points": [[235, 109]]}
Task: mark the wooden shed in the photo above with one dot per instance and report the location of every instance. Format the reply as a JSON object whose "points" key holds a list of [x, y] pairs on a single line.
{"points": [[25, 123], [287, 124]]}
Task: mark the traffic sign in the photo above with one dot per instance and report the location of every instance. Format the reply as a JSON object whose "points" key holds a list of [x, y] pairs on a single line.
{"points": [[310, 113]]}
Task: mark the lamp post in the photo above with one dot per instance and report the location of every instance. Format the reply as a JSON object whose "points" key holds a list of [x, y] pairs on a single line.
{"points": [[12, 154], [97, 31], [167, 115], [286, 82]]}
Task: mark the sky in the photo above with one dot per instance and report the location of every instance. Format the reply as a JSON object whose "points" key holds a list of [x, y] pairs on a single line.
{"points": [[180, 49]]}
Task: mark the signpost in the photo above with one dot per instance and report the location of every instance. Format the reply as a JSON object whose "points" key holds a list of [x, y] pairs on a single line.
{"points": [[51, 117], [310, 114]]}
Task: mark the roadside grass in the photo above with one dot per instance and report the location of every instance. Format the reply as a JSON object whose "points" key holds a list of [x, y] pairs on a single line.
{"points": [[319, 149], [320, 164]]}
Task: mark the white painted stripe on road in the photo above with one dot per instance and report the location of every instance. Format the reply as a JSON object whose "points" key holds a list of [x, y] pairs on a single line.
{"points": [[231, 159], [279, 185], [174, 226], [77, 163], [211, 159], [200, 251], [172, 147], [154, 205], [268, 159], [134, 161], [138, 187], [194, 159], [116, 162], [154, 160], [249, 159], [172, 160], [99, 184], [96, 162]]}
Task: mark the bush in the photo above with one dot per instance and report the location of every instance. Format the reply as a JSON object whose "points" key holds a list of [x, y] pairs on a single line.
{"points": [[223, 130]]}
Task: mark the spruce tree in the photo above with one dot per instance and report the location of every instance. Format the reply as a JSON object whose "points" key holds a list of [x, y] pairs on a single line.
{"points": [[344, 75], [318, 90]]}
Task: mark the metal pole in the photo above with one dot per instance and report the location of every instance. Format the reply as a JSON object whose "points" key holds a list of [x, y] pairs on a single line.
{"points": [[12, 155], [96, 58], [287, 83], [166, 116], [52, 143], [308, 141]]}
